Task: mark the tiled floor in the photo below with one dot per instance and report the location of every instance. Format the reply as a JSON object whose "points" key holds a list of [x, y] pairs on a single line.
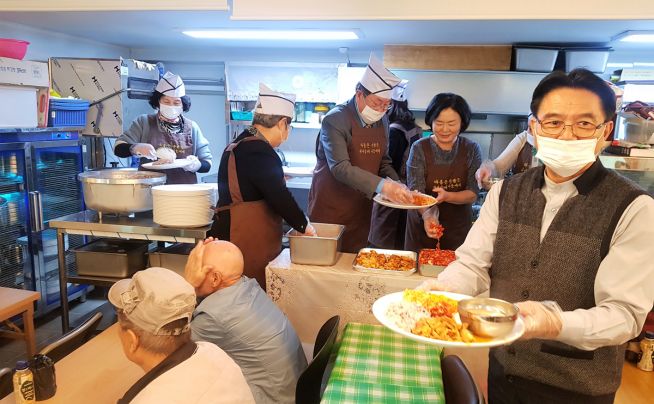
{"points": [[48, 327]]}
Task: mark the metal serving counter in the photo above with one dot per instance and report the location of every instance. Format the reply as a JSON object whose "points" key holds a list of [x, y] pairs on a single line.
{"points": [[88, 223]]}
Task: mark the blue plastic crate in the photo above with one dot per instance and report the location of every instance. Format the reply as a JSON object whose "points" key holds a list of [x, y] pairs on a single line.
{"points": [[67, 112]]}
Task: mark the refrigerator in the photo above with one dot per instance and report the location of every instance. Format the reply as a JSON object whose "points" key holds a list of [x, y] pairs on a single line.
{"points": [[38, 182]]}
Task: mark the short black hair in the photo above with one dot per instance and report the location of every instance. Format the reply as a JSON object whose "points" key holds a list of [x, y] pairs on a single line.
{"points": [[578, 78], [444, 101], [156, 96], [364, 90], [400, 112]]}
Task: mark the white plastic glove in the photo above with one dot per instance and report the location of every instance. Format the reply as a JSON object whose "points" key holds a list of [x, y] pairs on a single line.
{"points": [[396, 192], [143, 150], [484, 173], [542, 319], [310, 230], [430, 221], [195, 164], [435, 284]]}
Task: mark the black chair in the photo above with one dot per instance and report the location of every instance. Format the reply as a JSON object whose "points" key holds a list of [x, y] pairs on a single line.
{"points": [[6, 382], [309, 383], [460, 387], [73, 339]]}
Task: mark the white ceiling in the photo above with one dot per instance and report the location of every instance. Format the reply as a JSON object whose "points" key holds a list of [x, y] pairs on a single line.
{"points": [[162, 29]]}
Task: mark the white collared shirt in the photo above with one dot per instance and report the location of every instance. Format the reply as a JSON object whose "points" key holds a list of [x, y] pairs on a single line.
{"points": [[624, 284]]}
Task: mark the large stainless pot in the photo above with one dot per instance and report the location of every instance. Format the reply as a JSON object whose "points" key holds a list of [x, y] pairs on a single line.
{"points": [[123, 190]]}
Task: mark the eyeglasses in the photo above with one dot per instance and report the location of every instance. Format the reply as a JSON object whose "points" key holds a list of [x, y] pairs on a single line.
{"points": [[581, 129], [377, 104]]}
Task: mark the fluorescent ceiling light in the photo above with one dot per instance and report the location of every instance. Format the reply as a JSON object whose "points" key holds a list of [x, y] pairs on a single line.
{"points": [[643, 64], [619, 65], [290, 35], [635, 36]]}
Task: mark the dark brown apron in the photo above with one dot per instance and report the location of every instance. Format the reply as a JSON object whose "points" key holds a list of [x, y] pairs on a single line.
{"points": [[388, 225], [331, 201], [181, 143], [456, 219], [525, 157], [254, 227]]}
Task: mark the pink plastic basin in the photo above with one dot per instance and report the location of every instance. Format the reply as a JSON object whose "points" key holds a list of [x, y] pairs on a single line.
{"points": [[13, 48]]}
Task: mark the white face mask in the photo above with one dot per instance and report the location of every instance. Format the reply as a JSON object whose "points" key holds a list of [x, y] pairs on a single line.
{"points": [[566, 157], [371, 116], [170, 111]]}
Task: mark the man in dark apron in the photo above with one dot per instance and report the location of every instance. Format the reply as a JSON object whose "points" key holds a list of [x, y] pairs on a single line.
{"points": [[353, 162], [253, 198], [171, 129]]}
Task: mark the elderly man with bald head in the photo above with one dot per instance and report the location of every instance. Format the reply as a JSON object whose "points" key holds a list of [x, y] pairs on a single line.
{"points": [[238, 316]]}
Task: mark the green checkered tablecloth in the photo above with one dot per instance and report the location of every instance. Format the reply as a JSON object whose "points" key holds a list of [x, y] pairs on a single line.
{"points": [[376, 365]]}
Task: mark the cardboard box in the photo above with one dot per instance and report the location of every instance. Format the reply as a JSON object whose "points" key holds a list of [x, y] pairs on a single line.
{"points": [[18, 107], [111, 86], [31, 75], [434, 57]]}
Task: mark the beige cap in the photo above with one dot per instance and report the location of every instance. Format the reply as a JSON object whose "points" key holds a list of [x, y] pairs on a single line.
{"points": [[274, 103], [171, 85], [377, 79], [153, 298]]}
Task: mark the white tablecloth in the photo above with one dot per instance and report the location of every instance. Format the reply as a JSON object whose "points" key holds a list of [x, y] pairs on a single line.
{"points": [[309, 294]]}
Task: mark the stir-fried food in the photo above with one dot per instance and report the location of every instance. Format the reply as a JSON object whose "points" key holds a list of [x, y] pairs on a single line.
{"points": [[436, 304], [444, 328], [394, 262], [422, 200], [437, 257]]}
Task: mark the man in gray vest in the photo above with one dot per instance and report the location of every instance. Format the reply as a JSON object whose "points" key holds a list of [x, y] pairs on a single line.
{"points": [[571, 242]]}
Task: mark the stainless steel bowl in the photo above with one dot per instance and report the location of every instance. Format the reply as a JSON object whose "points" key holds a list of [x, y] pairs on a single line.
{"points": [[124, 190], [488, 317]]}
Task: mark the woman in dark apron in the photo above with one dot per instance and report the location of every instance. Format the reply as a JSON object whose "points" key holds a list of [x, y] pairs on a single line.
{"points": [[253, 198], [168, 128], [443, 166]]}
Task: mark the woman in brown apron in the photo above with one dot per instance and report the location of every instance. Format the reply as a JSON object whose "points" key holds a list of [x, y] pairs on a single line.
{"points": [[168, 128], [253, 198], [443, 166]]}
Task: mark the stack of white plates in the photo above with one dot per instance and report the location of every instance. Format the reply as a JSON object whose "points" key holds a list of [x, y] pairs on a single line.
{"points": [[183, 205]]}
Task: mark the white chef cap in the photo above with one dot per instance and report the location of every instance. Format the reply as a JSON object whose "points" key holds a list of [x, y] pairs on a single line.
{"points": [[377, 79], [274, 103], [171, 85], [399, 92]]}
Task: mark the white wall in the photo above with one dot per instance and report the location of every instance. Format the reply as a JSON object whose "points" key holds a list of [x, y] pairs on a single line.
{"points": [[45, 44]]}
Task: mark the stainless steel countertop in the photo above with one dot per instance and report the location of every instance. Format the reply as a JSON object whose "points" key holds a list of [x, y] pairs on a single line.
{"points": [[139, 226]]}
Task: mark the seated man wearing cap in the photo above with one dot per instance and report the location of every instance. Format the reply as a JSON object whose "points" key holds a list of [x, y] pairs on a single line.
{"points": [[154, 310], [237, 315], [252, 194]]}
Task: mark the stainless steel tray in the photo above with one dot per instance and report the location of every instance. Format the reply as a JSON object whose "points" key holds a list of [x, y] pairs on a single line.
{"points": [[111, 257], [320, 250], [409, 254]]}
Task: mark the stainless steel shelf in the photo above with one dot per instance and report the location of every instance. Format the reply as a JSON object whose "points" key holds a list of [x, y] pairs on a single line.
{"points": [[140, 226]]}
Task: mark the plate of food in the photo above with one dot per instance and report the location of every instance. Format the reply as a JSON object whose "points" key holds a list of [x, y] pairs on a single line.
{"points": [[380, 261], [157, 165], [433, 318], [420, 201]]}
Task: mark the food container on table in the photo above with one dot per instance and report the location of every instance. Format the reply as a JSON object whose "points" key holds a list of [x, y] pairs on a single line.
{"points": [[488, 317], [111, 257], [429, 269], [409, 254], [320, 250], [173, 257], [123, 190]]}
